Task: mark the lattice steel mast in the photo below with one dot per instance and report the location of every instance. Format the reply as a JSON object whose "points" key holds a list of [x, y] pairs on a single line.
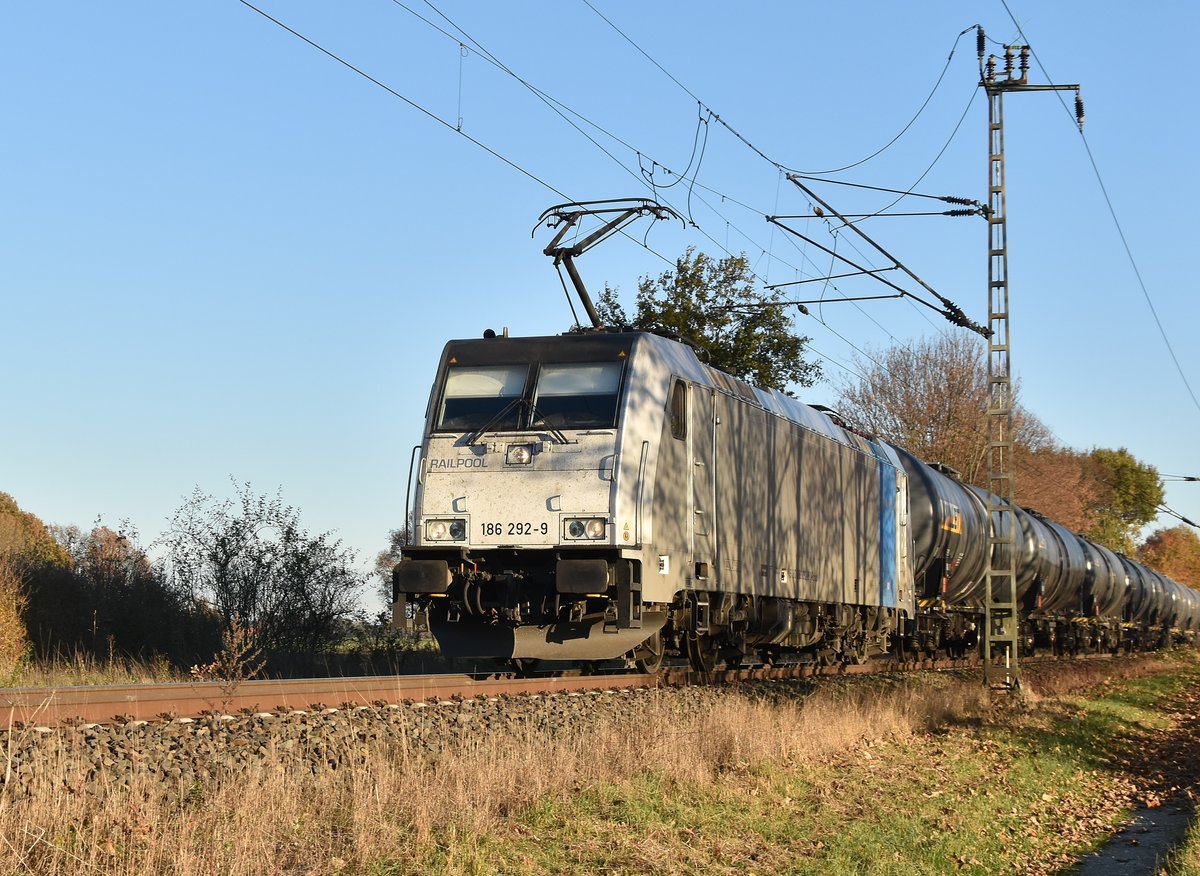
{"points": [[1001, 630]]}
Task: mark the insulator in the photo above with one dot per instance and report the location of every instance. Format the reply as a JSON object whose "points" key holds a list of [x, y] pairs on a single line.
{"points": [[979, 43], [991, 68], [960, 213], [1008, 61], [1024, 61], [954, 199], [1079, 109]]}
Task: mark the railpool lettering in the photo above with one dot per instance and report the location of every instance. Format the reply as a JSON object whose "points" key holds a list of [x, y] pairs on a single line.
{"points": [[457, 463]]}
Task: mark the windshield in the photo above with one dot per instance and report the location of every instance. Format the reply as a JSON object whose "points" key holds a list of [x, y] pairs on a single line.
{"points": [[475, 395], [581, 395]]}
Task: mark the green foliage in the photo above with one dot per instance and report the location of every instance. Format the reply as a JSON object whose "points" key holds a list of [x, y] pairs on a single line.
{"points": [[250, 559], [713, 306], [1129, 495]]}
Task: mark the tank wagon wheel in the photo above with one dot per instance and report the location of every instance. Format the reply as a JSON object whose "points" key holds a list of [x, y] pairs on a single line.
{"points": [[703, 652], [855, 653], [524, 667], [648, 656]]}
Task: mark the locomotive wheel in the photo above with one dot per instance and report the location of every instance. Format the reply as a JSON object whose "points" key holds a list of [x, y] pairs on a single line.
{"points": [[648, 656], [703, 653]]}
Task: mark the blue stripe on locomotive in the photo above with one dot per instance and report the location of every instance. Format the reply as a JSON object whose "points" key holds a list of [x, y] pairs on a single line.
{"points": [[887, 529]]}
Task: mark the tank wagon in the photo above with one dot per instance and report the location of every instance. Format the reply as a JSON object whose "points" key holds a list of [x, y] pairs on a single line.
{"points": [[601, 495]]}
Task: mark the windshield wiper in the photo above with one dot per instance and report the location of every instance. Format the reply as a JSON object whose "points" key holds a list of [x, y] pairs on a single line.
{"points": [[497, 417], [534, 414]]}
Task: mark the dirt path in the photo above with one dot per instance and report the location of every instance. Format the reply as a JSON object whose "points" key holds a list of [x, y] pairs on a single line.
{"points": [[1164, 769]]}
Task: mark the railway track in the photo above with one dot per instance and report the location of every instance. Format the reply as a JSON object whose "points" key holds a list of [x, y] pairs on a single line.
{"points": [[54, 706]]}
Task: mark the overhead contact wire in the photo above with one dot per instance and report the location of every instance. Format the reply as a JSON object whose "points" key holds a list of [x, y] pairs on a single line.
{"points": [[412, 103], [1112, 212], [694, 183], [912, 121]]}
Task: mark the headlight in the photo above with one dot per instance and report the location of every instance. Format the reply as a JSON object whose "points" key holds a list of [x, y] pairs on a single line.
{"points": [[519, 454], [445, 530], [585, 528]]}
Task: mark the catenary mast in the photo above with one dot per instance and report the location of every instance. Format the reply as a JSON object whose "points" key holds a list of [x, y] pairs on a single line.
{"points": [[1001, 629]]}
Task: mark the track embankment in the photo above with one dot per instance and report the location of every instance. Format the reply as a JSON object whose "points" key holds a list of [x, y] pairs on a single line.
{"points": [[180, 752]]}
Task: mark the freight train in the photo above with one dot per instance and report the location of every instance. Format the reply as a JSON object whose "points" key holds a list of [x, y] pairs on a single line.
{"points": [[602, 495]]}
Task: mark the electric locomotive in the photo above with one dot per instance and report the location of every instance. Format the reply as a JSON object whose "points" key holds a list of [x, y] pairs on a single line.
{"points": [[605, 494]]}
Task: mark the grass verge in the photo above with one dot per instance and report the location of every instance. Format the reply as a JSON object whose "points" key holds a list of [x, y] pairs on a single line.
{"points": [[904, 775], [1185, 861]]}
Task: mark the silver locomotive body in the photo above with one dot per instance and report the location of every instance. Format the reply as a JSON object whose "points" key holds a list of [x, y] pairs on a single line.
{"points": [[595, 495]]}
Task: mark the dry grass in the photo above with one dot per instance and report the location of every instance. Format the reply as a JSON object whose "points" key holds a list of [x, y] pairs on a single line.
{"points": [[403, 811], [403, 806], [82, 668]]}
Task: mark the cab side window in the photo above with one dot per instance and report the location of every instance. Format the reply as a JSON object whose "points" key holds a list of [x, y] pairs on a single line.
{"points": [[678, 410]]}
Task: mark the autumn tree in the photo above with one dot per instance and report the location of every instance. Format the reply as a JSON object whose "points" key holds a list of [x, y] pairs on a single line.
{"points": [[118, 602], [1175, 552], [1129, 493], [252, 561], [30, 562], [714, 307], [931, 398], [1059, 482], [13, 640], [25, 539]]}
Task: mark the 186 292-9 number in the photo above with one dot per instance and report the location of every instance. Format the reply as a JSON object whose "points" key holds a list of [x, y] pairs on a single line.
{"points": [[517, 529]]}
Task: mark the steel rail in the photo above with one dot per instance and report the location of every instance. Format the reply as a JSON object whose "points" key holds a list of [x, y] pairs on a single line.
{"points": [[51, 706], [54, 706]]}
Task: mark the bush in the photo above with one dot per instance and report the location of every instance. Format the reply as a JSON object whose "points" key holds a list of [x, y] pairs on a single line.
{"points": [[13, 640]]}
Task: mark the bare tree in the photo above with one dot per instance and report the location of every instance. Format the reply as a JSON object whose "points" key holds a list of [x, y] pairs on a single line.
{"points": [[386, 560], [252, 560], [931, 398]]}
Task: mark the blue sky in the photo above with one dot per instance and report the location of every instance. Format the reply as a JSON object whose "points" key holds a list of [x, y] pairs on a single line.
{"points": [[228, 257]]}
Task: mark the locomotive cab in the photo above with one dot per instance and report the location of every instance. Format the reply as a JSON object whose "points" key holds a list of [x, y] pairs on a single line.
{"points": [[523, 542]]}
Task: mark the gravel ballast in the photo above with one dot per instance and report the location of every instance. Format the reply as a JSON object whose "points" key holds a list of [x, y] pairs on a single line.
{"points": [[180, 753]]}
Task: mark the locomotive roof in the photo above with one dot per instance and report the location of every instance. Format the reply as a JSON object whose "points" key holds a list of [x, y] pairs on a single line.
{"points": [[588, 345]]}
